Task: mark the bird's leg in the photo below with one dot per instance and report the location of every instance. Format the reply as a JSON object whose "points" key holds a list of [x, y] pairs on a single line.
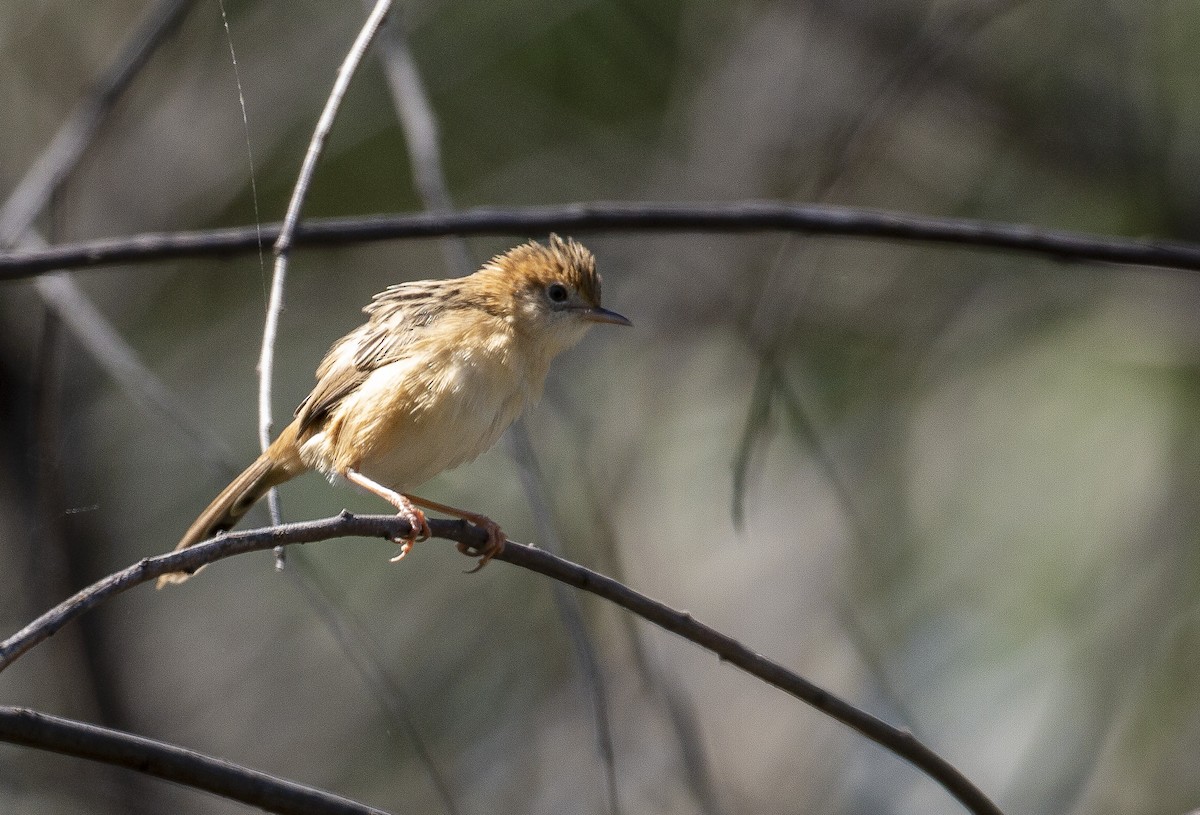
{"points": [[416, 519], [495, 535]]}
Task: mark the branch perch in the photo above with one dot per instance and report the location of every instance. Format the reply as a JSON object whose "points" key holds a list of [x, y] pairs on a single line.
{"points": [[734, 217], [898, 741], [29, 728], [236, 543]]}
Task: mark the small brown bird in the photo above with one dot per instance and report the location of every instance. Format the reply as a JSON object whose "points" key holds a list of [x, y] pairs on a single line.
{"points": [[439, 370]]}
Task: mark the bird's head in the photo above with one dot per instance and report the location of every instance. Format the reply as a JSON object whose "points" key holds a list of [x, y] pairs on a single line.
{"points": [[549, 293]]}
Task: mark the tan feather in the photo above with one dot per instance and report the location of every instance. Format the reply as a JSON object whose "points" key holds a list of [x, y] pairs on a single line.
{"points": [[277, 465], [430, 381]]}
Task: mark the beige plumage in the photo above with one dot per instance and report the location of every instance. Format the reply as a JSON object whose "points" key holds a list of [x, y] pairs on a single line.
{"points": [[439, 370]]}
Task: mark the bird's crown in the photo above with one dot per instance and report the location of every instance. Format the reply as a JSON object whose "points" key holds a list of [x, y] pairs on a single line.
{"points": [[535, 265]]}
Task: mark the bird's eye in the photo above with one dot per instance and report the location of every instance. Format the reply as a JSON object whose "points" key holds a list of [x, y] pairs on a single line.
{"points": [[557, 293]]}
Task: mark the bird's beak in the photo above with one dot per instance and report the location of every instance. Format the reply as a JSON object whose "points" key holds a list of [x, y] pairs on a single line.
{"points": [[603, 315]]}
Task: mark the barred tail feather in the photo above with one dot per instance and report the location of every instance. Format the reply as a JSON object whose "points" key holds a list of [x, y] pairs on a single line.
{"points": [[277, 465]]}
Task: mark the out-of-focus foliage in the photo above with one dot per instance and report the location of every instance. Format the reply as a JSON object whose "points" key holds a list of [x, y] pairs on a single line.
{"points": [[969, 485]]}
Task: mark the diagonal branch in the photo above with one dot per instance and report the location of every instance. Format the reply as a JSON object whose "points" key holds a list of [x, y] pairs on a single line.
{"points": [[57, 161], [30, 728], [316, 145], [897, 740], [421, 133], [570, 610], [34, 192], [114, 355], [732, 217]]}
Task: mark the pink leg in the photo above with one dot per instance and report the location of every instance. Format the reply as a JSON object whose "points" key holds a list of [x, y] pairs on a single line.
{"points": [[405, 507], [495, 535]]}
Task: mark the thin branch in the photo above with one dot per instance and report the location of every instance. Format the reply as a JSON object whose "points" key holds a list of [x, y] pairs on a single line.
{"points": [[363, 654], [420, 127], [732, 217], [30, 728], [421, 136], [898, 741], [417, 119], [680, 708], [316, 145], [121, 362], [569, 608], [758, 418], [347, 631], [62, 154], [800, 416], [283, 240], [35, 189], [902, 85]]}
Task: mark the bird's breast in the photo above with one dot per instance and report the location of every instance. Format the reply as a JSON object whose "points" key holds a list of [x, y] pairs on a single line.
{"points": [[415, 418]]}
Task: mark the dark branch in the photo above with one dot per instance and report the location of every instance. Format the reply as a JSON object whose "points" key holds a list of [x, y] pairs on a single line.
{"points": [[898, 741], [189, 560], [727, 649], [32, 729], [746, 216]]}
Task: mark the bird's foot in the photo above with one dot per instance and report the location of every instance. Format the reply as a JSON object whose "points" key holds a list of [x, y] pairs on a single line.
{"points": [[418, 529], [492, 547]]}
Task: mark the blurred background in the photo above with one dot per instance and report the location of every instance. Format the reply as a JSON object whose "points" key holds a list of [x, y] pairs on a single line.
{"points": [[956, 487]]}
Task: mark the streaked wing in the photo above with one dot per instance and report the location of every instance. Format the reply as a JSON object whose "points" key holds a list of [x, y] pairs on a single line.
{"points": [[336, 378], [397, 318]]}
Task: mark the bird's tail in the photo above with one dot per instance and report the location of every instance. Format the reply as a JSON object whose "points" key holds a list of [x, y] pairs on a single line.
{"points": [[280, 463]]}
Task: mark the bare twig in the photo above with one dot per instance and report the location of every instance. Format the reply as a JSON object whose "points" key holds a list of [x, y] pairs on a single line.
{"points": [[569, 609], [669, 686], [316, 145], [758, 418], [119, 360], [61, 155], [59, 292], [732, 217], [30, 728], [283, 240], [420, 128], [898, 741], [416, 117], [902, 85], [367, 668]]}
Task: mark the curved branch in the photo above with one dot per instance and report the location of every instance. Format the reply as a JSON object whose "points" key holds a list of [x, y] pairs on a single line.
{"points": [[898, 741], [316, 145], [744, 216], [39, 730], [286, 233], [346, 524]]}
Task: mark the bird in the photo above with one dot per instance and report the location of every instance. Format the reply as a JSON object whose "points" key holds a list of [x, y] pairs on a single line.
{"points": [[430, 381]]}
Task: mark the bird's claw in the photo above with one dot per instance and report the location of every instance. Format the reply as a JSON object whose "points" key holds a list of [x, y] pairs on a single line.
{"points": [[418, 531], [492, 547]]}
